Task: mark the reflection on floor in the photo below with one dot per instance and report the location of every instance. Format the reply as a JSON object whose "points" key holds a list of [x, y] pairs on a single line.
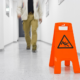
{"points": [[16, 63]]}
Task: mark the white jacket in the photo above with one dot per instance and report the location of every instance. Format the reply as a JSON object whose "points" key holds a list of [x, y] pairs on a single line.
{"points": [[22, 9]]}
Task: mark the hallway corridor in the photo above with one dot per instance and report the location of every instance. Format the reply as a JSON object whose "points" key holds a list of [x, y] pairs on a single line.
{"points": [[16, 63]]}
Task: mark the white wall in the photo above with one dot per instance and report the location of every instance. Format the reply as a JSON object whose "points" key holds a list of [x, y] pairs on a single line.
{"points": [[15, 22], [1, 25], [8, 25], [68, 11], [39, 32]]}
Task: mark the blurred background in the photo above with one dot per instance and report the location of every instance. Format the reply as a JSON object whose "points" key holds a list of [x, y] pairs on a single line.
{"points": [[16, 63], [11, 27]]}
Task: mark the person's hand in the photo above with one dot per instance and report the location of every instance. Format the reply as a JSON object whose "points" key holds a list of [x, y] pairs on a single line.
{"points": [[19, 16], [40, 20]]}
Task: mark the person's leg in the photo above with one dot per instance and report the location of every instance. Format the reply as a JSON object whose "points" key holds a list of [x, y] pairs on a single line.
{"points": [[26, 28], [34, 24]]}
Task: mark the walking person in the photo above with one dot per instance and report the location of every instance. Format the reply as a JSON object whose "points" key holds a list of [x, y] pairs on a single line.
{"points": [[30, 12]]}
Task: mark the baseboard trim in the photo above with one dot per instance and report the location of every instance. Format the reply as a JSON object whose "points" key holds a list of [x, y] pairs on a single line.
{"points": [[78, 54], [24, 39], [45, 42], [51, 45], [1, 50], [10, 43], [21, 39]]}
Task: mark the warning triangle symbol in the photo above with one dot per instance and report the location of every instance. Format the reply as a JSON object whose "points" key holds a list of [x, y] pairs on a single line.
{"points": [[64, 43]]}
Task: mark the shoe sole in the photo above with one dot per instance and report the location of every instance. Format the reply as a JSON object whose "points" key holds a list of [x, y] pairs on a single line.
{"points": [[28, 48], [34, 51]]}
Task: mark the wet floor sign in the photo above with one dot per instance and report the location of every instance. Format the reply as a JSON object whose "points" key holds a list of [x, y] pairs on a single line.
{"points": [[63, 48], [65, 43]]}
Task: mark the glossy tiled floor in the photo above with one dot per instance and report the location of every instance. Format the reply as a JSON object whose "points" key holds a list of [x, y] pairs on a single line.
{"points": [[16, 63]]}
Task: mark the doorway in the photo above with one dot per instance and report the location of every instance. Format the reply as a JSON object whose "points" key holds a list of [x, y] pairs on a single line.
{"points": [[21, 32]]}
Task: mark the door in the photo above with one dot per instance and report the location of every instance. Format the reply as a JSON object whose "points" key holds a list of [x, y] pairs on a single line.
{"points": [[21, 32]]}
